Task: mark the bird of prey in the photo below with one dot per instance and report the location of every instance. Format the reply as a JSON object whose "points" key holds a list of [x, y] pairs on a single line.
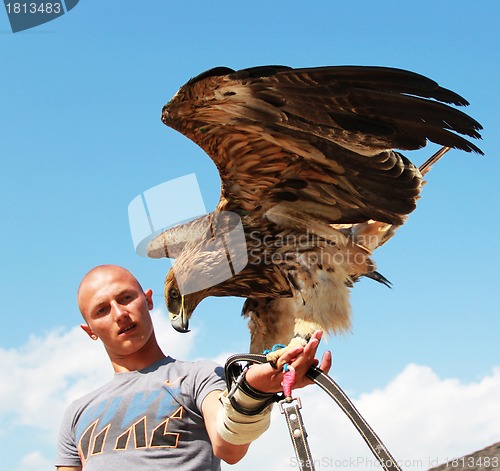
{"points": [[307, 159]]}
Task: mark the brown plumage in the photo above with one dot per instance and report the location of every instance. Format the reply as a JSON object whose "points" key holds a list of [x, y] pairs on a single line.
{"points": [[306, 159]]}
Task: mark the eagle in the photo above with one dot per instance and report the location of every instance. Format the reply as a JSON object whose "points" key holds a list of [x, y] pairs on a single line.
{"points": [[310, 168]]}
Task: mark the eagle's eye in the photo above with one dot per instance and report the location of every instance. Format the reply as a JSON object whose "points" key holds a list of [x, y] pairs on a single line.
{"points": [[174, 293]]}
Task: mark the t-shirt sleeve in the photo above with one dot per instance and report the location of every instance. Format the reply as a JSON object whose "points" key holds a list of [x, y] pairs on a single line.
{"points": [[209, 377], [67, 449]]}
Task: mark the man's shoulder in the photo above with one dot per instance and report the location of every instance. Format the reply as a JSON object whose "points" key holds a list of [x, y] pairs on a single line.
{"points": [[203, 367], [196, 364]]}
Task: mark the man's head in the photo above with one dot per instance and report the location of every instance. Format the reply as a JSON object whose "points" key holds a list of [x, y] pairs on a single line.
{"points": [[116, 310]]}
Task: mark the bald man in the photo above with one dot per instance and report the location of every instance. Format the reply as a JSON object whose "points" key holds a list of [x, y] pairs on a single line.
{"points": [[157, 411]]}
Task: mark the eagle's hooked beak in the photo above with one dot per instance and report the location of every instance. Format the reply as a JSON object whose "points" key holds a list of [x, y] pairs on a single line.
{"points": [[180, 321]]}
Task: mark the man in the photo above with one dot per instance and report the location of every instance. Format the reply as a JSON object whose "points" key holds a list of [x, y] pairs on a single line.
{"points": [[157, 411]]}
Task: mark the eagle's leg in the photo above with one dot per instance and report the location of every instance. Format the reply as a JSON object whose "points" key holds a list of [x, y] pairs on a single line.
{"points": [[270, 322], [303, 331], [274, 321]]}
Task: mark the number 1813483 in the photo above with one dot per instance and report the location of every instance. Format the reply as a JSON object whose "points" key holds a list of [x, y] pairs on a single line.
{"points": [[25, 8]]}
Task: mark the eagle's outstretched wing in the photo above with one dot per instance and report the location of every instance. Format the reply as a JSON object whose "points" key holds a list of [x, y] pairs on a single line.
{"points": [[319, 138]]}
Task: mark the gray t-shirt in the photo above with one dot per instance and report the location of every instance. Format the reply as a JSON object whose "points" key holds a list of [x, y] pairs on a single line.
{"points": [[148, 419]]}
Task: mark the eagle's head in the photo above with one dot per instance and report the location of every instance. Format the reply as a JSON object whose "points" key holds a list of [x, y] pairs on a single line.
{"points": [[192, 100], [207, 257], [180, 306]]}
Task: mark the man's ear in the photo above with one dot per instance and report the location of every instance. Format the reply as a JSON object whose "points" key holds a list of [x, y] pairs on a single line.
{"points": [[149, 298], [88, 331]]}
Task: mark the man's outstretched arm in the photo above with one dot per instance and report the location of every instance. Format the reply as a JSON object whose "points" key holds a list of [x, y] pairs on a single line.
{"points": [[263, 378]]}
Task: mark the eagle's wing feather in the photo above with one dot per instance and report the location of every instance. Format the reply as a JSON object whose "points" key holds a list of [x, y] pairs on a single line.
{"points": [[319, 139], [333, 101]]}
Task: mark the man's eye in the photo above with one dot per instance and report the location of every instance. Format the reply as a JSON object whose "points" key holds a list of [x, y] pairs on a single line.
{"points": [[127, 298]]}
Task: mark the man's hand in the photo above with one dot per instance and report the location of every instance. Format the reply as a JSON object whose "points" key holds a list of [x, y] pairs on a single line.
{"points": [[267, 379]]}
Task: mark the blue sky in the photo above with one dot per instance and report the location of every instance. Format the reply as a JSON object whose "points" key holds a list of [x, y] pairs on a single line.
{"points": [[81, 137]]}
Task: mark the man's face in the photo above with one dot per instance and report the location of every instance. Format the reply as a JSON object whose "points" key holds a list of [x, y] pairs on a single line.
{"points": [[117, 311]]}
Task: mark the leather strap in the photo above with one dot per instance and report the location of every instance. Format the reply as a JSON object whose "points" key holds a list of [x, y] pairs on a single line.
{"points": [[298, 434]]}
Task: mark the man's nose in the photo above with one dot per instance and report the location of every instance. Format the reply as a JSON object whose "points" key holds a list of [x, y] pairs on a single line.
{"points": [[118, 310]]}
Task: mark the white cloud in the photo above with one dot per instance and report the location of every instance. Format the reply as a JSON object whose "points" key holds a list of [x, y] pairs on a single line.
{"points": [[423, 419], [34, 461], [439, 417]]}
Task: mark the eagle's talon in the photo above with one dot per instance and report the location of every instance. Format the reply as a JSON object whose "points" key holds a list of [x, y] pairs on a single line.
{"points": [[274, 355], [273, 364]]}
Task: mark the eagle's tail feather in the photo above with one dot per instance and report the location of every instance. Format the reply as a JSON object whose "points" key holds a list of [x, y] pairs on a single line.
{"points": [[427, 165]]}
